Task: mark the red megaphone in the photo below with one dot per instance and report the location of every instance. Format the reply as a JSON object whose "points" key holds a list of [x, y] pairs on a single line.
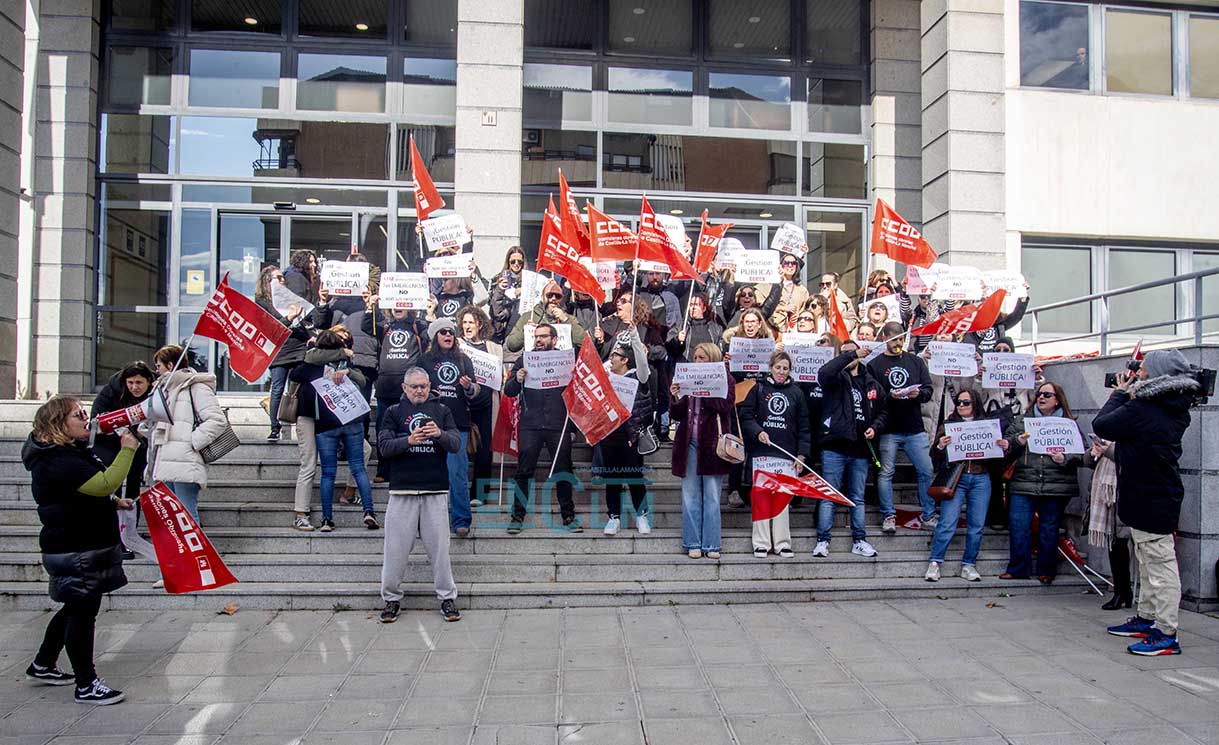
{"points": [[153, 409]]}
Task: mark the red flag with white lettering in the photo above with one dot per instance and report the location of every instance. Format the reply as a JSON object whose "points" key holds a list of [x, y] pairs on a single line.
{"points": [[427, 199], [838, 326], [592, 403], [253, 335], [187, 559], [575, 232], [506, 438], [975, 317], [897, 239], [709, 238], [655, 245], [772, 492], [560, 257], [611, 240]]}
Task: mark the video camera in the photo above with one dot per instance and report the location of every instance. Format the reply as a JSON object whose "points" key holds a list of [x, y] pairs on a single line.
{"points": [[1204, 376]]}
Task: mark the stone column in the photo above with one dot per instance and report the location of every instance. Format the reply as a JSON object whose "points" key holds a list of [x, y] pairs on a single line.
{"points": [[896, 109], [962, 130], [490, 53], [12, 60]]}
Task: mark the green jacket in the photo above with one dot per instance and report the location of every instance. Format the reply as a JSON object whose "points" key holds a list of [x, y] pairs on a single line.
{"points": [[1038, 475]]}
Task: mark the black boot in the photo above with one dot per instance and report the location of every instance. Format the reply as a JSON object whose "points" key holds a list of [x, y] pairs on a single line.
{"points": [[1117, 602]]}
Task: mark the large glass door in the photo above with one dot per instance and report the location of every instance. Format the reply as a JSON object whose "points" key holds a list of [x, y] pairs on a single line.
{"points": [[246, 242], [836, 244]]}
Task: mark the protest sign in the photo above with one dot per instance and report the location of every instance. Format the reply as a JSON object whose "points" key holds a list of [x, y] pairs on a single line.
{"points": [[807, 361], [774, 464], [893, 311], [726, 257], [652, 266], [750, 355], [285, 301], [974, 440], [673, 227], [701, 379], [488, 369], [957, 283], [131, 538], [1005, 279], [799, 339], [452, 266], [1052, 435], [1008, 370], [562, 332], [757, 266], [789, 239], [951, 358], [532, 284], [919, 281], [345, 277], [343, 398], [606, 272], [403, 291], [448, 233], [550, 369], [187, 559], [626, 388]]}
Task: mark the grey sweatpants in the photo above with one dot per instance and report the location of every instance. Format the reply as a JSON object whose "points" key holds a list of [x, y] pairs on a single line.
{"points": [[425, 515]]}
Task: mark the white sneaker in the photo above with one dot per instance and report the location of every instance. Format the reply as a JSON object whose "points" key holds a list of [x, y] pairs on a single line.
{"points": [[933, 572], [643, 525], [158, 584], [970, 574], [889, 525], [611, 526], [863, 548], [822, 548], [931, 522]]}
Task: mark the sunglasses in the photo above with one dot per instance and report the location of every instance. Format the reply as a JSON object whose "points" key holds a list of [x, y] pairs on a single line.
{"points": [[827, 284], [965, 402], [1046, 394], [822, 342], [810, 319], [556, 295], [444, 332], [515, 262], [746, 295], [790, 263]]}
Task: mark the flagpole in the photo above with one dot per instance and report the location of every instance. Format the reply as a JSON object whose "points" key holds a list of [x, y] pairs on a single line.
{"points": [[562, 435], [501, 480], [685, 324]]}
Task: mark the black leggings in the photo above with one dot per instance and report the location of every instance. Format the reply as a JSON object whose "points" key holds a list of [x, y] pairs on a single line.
{"points": [[626, 472], [1119, 562], [72, 627]]}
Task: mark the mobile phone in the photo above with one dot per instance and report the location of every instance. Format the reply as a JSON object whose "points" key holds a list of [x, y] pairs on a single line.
{"points": [[1111, 380]]}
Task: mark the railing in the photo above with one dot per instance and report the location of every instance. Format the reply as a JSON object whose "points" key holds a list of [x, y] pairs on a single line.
{"points": [[1194, 280]]}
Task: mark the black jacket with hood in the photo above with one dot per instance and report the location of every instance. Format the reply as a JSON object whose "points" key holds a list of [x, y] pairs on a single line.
{"points": [[779, 410], [850, 405]]}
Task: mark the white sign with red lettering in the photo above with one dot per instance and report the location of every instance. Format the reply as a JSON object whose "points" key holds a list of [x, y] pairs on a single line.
{"points": [[488, 369], [919, 280], [701, 379], [343, 398], [774, 464], [448, 233], [345, 277], [453, 266], [757, 266], [958, 283], [532, 284], [1008, 370], [807, 361], [790, 239], [750, 355], [550, 369], [646, 265], [952, 359], [403, 291], [626, 388], [1054, 435], [1004, 279], [974, 440]]}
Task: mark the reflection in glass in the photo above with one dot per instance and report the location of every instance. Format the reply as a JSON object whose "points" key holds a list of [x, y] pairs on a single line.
{"points": [[134, 256], [247, 244], [410, 253], [1203, 56], [366, 20], [374, 239], [431, 22], [136, 144], [124, 337], [430, 86], [437, 147], [1209, 302], [651, 27], [1059, 273], [561, 24], [1054, 45], [142, 15], [251, 16], [750, 28], [332, 82], [341, 150], [835, 244], [831, 32], [235, 79], [219, 146], [835, 106], [651, 96], [195, 274], [201, 348], [139, 75], [835, 171], [545, 151], [1138, 52], [685, 163], [1131, 267], [126, 191], [328, 237], [558, 93], [750, 101]]}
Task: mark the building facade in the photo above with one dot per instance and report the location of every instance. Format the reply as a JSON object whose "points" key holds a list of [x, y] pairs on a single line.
{"points": [[149, 147]]}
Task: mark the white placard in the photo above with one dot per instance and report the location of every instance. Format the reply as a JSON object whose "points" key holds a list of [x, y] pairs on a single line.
{"points": [[953, 359], [646, 265], [606, 272], [789, 239], [1008, 370], [774, 464], [562, 332], [673, 227], [551, 369], [403, 291], [445, 233], [973, 440], [131, 537], [919, 280], [726, 258], [807, 361], [875, 349], [757, 266], [1004, 279], [284, 300], [750, 355], [345, 277], [1051, 435], [488, 369], [343, 398], [701, 379], [799, 339], [891, 305], [532, 285], [626, 387], [453, 266], [958, 283]]}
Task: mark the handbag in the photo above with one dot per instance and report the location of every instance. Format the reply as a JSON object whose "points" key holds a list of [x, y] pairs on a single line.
{"points": [[646, 441], [944, 486], [224, 443], [729, 447], [289, 405], [473, 441]]}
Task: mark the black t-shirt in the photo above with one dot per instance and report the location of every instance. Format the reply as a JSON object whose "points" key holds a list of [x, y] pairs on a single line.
{"points": [[903, 416], [445, 370]]}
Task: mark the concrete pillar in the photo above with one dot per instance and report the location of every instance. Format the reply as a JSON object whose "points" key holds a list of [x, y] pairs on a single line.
{"points": [[490, 53], [963, 130], [12, 61], [896, 107]]}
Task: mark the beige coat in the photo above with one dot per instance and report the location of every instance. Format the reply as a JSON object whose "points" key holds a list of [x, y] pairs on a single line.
{"points": [[173, 449]]}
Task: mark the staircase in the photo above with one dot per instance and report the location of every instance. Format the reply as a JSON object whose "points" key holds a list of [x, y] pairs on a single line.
{"points": [[247, 509]]}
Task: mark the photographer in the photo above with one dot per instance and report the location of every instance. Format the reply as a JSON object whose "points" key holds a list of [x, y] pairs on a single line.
{"points": [[1146, 417]]}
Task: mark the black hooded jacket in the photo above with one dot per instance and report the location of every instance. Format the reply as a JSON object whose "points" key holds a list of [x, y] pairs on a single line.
{"points": [[779, 410], [850, 405]]}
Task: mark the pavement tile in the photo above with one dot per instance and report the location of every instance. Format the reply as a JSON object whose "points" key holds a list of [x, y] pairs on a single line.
{"points": [[276, 719], [985, 691], [523, 682], [882, 671], [288, 688], [449, 683], [740, 676], [514, 734], [527, 659], [390, 686], [756, 701], [910, 695], [600, 707], [478, 661], [174, 740], [430, 736], [41, 717], [1098, 713], [1025, 719], [615, 680], [708, 731], [586, 658], [390, 661], [438, 712], [859, 727], [535, 709], [320, 663], [682, 678], [606, 733], [128, 718], [669, 704], [819, 699], [955, 723], [196, 719], [1163, 735], [811, 675], [776, 730], [220, 689], [343, 738], [345, 715], [642, 657]]}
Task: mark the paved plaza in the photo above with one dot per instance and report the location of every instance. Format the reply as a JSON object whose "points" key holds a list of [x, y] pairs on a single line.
{"points": [[1021, 670]]}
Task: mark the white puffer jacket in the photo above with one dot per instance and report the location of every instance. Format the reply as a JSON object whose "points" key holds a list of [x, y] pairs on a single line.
{"points": [[173, 449]]}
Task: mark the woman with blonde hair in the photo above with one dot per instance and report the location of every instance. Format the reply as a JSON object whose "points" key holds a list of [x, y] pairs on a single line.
{"points": [[700, 422]]}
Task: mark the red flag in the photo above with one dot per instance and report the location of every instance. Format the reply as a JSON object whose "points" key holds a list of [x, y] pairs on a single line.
{"points": [[560, 257], [709, 238], [506, 438], [575, 232], [772, 492], [1137, 352], [838, 326], [975, 317], [897, 239], [655, 245], [188, 561], [611, 240], [427, 199], [253, 335], [592, 403]]}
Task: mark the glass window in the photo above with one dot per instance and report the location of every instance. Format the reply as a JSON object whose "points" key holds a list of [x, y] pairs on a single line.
{"points": [[247, 244], [835, 171], [363, 19], [430, 86], [220, 146], [1209, 302], [558, 93], [545, 151], [252, 16], [651, 27], [750, 28], [201, 348], [831, 32], [341, 150], [195, 267], [142, 15], [835, 106], [835, 244], [750, 101], [333, 82], [561, 24], [437, 147], [328, 237], [134, 257], [651, 96], [1138, 52], [690, 210], [431, 22], [123, 337], [649, 162], [234, 79], [139, 75], [1054, 45], [1131, 267], [1204, 56], [137, 144], [1058, 273]]}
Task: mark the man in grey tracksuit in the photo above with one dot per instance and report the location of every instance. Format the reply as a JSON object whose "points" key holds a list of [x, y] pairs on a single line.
{"points": [[415, 439]]}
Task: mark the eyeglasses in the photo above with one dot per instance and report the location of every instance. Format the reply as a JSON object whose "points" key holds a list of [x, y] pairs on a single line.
{"points": [[541, 337], [1046, 394], [821, 342], [418, 386], [444, 332], [618, 354]]}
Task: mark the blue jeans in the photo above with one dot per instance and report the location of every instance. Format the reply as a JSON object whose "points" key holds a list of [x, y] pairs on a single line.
{"points": [[188, 496], [974, 491], [279, 380], [459, 486], [917, 449], [352, 437], [1021, 508], [834, 466], [700, 507]]}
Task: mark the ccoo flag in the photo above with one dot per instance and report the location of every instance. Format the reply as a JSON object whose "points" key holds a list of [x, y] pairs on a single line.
{"points": [[187, 559], [611, 240], [575, 232], [772, 492], [253, 335], [897, 239], [427, 199], [709, 238], [655, 245], [592, 403], [559, 256], [975, 317]]}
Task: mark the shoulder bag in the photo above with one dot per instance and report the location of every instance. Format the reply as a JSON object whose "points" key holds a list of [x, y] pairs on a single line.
{"points": [[944, 486], [729, 447], [646, 441], [289, 404], [224, 443]]}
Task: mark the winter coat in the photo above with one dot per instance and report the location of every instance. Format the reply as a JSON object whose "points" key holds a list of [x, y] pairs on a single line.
{"points": [[664, 305], [697, 416], [842, 422], [300, 284], [540, 314], [792, 297], [364, 343], [1038, 475], [699, 331], [504, 307], [541, 409], [313, 368], [173, 449], [778, 409], [293, 350], [1146, 427]]}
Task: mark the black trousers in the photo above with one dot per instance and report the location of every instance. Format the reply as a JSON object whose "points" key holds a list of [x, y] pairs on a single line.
{"points": [[621, 466], [72, 627], [531, 443], [1119, 563], [482, 465]]}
